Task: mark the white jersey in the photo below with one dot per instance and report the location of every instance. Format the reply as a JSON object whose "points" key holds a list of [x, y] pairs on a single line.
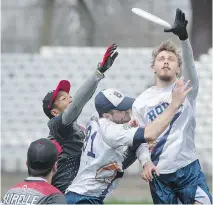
{"points": [[102, 156], [175, 147]]}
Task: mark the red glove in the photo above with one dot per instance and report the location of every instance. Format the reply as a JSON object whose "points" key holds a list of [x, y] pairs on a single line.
{"points": [[108, 58]]}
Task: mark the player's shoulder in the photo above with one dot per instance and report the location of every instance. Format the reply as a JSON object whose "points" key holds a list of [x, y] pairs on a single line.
{"points": [[44, 188], [40, 186], [141, 99], [50, 189], [93, 120], [55, 119], [105, 123], [112, 129], [18, 185], [99, 124], [108, 127]]}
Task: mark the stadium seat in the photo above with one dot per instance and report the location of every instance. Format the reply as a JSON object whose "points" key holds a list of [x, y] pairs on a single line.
{"points": [[26, 78]]}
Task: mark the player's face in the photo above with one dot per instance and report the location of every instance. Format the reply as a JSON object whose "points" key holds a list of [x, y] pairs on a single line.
{"points": [[61, 102], [166, 66], [120, 117]]}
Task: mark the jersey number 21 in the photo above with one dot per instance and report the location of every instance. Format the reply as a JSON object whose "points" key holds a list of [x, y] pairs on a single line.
{"points": [[92, 137]]}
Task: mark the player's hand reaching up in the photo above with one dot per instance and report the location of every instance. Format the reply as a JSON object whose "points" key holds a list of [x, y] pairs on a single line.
{"points": [[179, 27], [108, 58], [180, 91], [148, 169]]}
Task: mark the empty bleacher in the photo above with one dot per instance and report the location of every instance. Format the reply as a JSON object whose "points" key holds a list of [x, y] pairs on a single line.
{"points": [[26, 78]]}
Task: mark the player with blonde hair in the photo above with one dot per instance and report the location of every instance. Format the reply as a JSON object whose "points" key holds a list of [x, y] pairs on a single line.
{"points": [[174, 153]]}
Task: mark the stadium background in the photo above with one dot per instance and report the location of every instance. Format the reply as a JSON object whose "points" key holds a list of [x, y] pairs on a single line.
{"points": [[46, 41]]}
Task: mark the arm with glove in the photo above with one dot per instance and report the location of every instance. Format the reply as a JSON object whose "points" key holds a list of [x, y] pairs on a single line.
{"points": [[86, 91], [189, 71]]}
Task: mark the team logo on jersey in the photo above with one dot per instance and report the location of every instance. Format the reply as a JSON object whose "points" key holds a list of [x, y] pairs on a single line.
{"points": [[153, 113], [24, 187], [119, 95], [127, 126]]}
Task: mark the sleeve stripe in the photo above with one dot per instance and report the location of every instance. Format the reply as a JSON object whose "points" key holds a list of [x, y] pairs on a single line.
{"points": [[138, 137]]}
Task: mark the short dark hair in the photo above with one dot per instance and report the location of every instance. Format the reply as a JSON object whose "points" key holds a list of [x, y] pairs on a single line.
{"points": [[39, 173], [101, 114]]}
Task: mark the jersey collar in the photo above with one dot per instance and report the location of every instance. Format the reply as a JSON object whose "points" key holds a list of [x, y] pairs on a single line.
{"points": [[35, 179]]}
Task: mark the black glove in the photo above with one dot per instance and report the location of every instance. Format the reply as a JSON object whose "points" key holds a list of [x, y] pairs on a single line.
{"points": [[108, 59], [179, 27]]}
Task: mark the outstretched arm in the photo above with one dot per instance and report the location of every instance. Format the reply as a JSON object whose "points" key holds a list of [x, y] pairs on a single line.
{"points": [[189, 71], [81, 97], [86, 91]]}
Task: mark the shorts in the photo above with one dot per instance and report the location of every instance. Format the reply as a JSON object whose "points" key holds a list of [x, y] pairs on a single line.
{"points": [[74, 198], [186, 185]]}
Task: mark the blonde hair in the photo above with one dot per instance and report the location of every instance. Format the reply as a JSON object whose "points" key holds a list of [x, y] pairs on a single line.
{"points": [[167, 46]]}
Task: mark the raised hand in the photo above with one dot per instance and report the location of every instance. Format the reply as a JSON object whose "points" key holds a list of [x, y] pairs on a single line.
{"points": [[180, 91], [179, 26], [108, 58]]}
